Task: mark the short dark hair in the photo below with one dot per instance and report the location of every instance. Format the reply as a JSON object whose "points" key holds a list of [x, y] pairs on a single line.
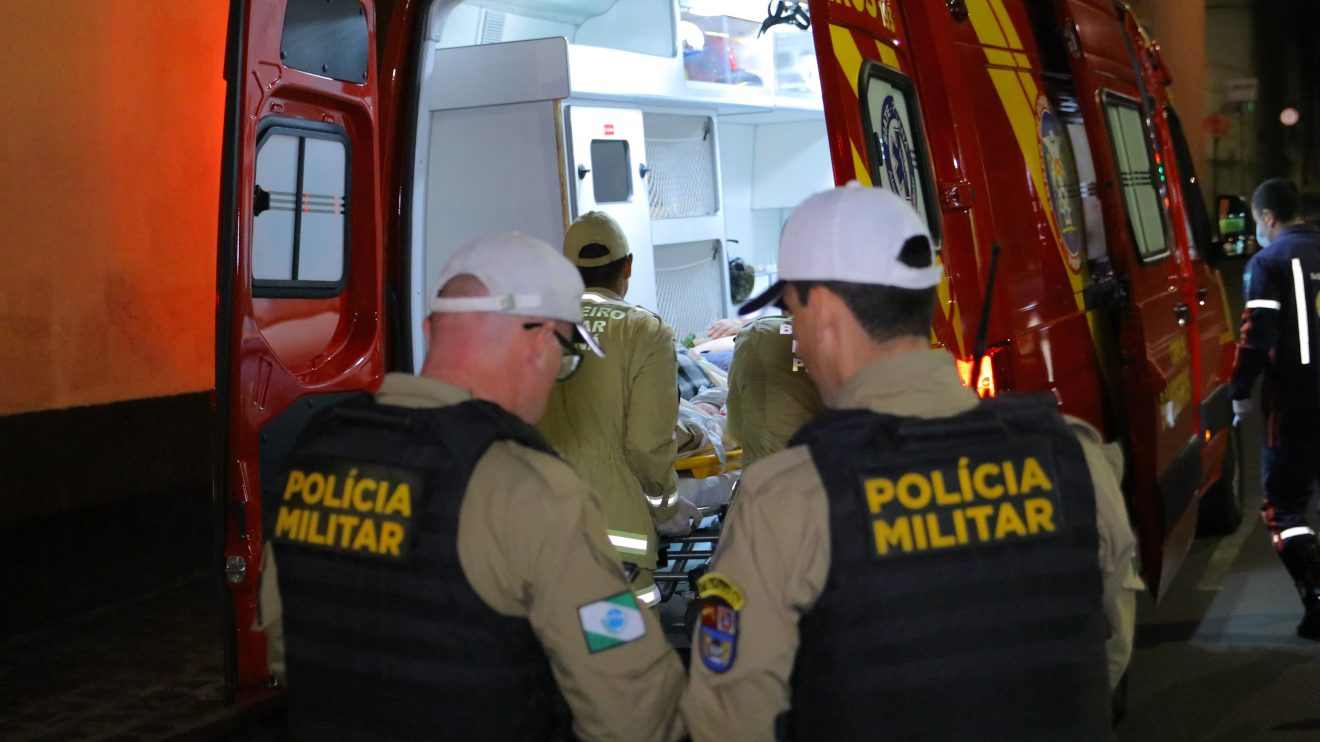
{"points": [[885, 312], [1280, 196], [603, 276]]}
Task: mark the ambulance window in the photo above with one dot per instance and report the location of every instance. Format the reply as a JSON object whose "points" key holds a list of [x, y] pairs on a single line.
{"points": [[611, 169], [896, 142], [300, 212], [1136, 172]]}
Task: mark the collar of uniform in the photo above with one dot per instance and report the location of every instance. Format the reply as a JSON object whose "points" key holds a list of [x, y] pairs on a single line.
{"points": [[596, 293], [407, 390], [1303, 227], [922, 384]]}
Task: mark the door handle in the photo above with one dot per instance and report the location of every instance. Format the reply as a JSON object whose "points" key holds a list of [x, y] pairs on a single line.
{"points": [[643, 170], [582, 171], [1183, 313], [1201, 294]]}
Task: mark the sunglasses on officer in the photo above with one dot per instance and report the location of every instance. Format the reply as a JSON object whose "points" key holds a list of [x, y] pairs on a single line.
{"points": [[570, 359]]}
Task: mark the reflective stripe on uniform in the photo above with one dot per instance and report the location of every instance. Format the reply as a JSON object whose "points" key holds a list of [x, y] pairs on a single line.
{"points": [[594, 298], [1264, 304], [1303, 328], [629, 543], [1295, 532], [648, 595], [662, 501]]}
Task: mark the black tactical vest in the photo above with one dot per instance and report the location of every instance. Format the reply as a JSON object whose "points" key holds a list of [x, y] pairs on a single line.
{"points": [[964, 594], [384, 636]]}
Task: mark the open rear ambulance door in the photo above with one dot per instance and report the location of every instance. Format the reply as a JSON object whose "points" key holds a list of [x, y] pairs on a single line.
{"points": [[874, 120], [298, 316], [1156, 326]]}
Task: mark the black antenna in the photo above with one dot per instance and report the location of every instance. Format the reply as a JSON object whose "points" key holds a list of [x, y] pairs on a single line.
{"points": [[983, 326]]}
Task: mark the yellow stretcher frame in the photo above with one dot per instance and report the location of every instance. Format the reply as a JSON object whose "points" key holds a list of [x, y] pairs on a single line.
{"points": [[708, 464]]}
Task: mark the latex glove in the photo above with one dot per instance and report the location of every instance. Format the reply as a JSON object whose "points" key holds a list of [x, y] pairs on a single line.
{"points": [[724, 328], [1241, 408], [683, 521]]}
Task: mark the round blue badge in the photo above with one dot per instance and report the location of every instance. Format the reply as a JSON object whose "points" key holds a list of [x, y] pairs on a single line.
{"points": [[896, 151], [613, 621]]}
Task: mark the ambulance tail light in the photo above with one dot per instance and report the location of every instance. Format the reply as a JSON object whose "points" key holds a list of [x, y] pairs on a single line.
{"points": [[991, 378]]}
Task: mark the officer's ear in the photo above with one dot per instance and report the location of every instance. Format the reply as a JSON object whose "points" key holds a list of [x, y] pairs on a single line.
{"points": [[627, 266]]}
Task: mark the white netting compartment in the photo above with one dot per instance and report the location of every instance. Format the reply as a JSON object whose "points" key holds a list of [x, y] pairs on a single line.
{"points": [[681, 181], [689, 281]]}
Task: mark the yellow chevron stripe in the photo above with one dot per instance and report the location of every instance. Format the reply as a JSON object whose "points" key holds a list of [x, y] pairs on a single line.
{"points": [[1000, 58], [846, 51], [944, 290], [984, 23], [1006, 22], [887, 54], [862, 173]]}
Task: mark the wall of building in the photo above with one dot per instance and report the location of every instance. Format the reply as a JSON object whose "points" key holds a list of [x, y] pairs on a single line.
{"points": [[110, 144], [110, 137]]}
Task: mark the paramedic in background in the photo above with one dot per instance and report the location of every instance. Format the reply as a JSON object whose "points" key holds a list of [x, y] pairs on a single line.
{"points": [[461, 580], [614, 420], [1280, 337], [770, 394], [917, 564]]}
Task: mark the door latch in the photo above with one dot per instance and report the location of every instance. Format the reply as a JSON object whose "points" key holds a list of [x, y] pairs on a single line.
{"points": [[1183, 313]]}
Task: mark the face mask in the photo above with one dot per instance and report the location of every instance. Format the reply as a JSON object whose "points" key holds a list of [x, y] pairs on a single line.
{"points": [[1262, 239]]}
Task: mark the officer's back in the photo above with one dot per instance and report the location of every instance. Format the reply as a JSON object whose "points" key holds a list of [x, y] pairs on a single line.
{"points": [[433, 570], [614, 421], [916, 565]]}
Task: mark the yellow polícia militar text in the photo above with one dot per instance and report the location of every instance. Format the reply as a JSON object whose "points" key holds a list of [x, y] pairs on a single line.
{"points": [[978, 501], [364, 510]]}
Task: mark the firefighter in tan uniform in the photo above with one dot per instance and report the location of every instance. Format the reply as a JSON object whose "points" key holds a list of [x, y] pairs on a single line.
{"points": [[917, 564], [614, 421], [770, 393], [432, 570]]}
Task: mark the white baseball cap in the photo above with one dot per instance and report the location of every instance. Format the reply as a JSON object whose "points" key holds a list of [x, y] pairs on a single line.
{"points": [[852, 234], [524, 275]]}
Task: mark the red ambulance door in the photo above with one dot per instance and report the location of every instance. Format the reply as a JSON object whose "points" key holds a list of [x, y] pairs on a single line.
{"points": [[299, 279], [1156, 325], [878, 135]]}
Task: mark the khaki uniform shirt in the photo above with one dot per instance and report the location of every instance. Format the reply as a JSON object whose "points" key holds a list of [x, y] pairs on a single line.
{"points": [[614, 421], [532, 544], [776, 549], [770, 394]]}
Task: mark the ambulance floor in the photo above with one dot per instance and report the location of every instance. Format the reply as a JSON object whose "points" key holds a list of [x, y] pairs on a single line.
{"points": [[144, 669]]}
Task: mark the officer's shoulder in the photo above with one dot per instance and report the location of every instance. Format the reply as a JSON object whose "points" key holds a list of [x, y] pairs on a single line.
{"points": [[527, 474], [779, 474], [1086, 432], [650, 323]]}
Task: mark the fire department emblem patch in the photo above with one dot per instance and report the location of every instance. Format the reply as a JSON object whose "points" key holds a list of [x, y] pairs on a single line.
{"points": [[1061, 185], [896, 149], [717, 632]]}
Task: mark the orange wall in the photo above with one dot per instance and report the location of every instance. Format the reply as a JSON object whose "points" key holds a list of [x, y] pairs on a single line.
{"points": [[110, 131]]}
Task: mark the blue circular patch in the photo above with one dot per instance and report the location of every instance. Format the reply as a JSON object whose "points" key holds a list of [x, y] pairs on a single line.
{"points": [[1061, 182], [614, 620], [896, 151]]}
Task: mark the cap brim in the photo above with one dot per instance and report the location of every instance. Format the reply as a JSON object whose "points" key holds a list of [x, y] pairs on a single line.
{"points": [[766, 298], [589, 339]]}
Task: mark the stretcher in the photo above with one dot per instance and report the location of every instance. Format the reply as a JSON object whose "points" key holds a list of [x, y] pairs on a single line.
{"points": [[684, 559]]}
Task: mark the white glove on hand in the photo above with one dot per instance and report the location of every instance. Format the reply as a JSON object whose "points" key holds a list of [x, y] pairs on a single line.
{"points": [[1241, 408], [683, 521]]}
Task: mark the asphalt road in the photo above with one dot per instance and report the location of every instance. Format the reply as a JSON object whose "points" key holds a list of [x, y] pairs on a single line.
{"points": [[1217, 659]]}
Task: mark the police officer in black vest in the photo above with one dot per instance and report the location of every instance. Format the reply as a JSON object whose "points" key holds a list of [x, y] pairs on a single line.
{"points": [[433, 570], [917, 564], [1280, 339]]}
